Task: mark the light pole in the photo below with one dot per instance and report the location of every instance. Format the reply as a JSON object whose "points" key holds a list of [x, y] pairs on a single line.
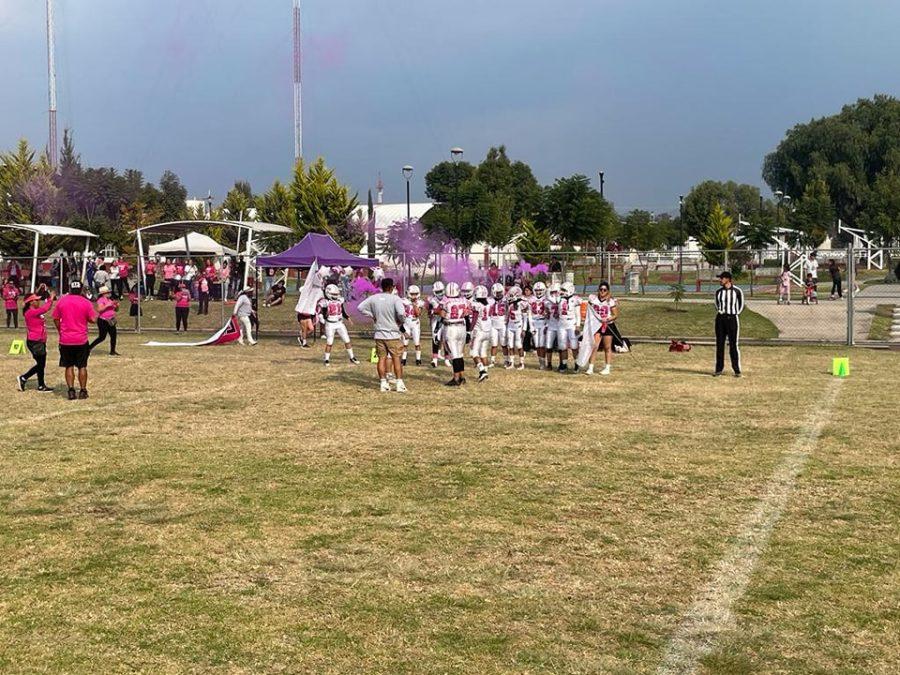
{"points": [[407, 174], [455, 157], [680, 240], [601, 183]]}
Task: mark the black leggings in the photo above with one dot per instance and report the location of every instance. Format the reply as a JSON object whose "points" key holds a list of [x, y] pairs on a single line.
{"points": [[12, 318], [836, 288], [39, 354], [181, 317], [204, 303], [106, 328]]}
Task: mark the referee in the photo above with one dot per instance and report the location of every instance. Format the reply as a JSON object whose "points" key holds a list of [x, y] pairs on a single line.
{"points": [[729, 305]]}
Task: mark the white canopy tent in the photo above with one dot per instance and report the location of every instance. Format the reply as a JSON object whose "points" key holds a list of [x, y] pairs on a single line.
{"points": [[193, 243], [51, 231], [185, 227]]}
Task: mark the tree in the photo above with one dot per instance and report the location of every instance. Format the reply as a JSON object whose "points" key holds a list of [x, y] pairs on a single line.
{"points": [[881, 214], [320, 202], [641, 231], [275, 206], [444, 179], [734, 198], [848, 151], [576, 214], [813, 216], [534, 240], [238, 201], [718, 236], [174, 196]]}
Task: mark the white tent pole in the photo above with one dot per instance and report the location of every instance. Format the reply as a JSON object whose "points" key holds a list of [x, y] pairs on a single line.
{"points": [[142, 278], [141, 273], [87, 246], [247, 257], [37, 238]]}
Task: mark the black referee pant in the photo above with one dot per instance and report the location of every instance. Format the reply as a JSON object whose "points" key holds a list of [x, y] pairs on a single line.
{"points": [[727, 326]]}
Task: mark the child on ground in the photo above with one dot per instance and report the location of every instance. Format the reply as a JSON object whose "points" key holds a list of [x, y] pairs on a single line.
{"points": [[784, 286], [810, 296]]}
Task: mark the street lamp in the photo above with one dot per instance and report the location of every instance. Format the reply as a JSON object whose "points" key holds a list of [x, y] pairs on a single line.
{"points": [[680, 239], [601, 184], [455, 157], [407, 174]]}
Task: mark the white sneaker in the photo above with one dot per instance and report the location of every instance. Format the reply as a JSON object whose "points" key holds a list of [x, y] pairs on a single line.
{"points": [[590, 370], [401, 388], [521, 366], [385, 386], [606, 370], [253, 342]]}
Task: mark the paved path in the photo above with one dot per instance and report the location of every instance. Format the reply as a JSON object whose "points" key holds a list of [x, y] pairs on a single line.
{"points": [[828, 319]]}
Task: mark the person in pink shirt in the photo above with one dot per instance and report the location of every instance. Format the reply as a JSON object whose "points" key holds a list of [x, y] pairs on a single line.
{"points": [[72, 315], [36, 339], [124, 270], [106, 320], [11, 302], [203, 295], [182, 307], [150, 275], [169, 279]]}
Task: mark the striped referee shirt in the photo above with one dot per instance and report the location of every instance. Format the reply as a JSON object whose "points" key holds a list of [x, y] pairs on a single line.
{"points": [[729, 301]]}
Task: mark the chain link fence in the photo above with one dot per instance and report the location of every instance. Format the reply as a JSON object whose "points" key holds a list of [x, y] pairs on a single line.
{"points": [[838, 296]]}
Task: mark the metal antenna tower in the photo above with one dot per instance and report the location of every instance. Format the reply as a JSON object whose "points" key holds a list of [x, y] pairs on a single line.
{"points": [[51, 74], [298, 110]]}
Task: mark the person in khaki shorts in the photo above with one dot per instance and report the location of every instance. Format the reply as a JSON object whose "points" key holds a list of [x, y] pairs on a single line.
{"points": [[387, 311]]}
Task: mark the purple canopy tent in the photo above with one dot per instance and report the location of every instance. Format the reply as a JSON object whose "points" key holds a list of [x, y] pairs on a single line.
{"points": [[315, 248]]}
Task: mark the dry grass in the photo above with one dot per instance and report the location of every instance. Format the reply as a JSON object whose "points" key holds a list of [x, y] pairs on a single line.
{"points": [[247, 511]]}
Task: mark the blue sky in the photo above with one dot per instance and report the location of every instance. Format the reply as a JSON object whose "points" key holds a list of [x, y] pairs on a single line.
{"points": [[659, 94]]}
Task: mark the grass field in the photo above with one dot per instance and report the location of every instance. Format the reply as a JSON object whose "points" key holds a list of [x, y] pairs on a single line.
{"points": [[246, 510], [881, 322]]}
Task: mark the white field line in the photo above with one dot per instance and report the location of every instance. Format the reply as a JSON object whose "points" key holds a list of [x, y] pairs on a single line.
{"points": [[710, 616]]}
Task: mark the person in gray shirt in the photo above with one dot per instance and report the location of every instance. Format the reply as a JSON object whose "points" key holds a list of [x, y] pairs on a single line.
{"points": [[243, 309], [386, 310]]}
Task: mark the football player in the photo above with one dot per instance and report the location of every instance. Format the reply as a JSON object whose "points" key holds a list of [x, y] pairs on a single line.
{"points": [[481, 331], [551, 305], [569, 306], [516, 313], [413, 305], [434, 303], [332, 314], [498, 323], [453, 311], [538, 320]]}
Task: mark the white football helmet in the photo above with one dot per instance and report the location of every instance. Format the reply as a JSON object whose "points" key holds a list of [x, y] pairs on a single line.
{"points": [[515, 293], [438, 289], [497, 291], [453, 290], [481, 292], [332, 292], [468, 289], [413, 292], [540, 289], [554, 289], [568, 289]]}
